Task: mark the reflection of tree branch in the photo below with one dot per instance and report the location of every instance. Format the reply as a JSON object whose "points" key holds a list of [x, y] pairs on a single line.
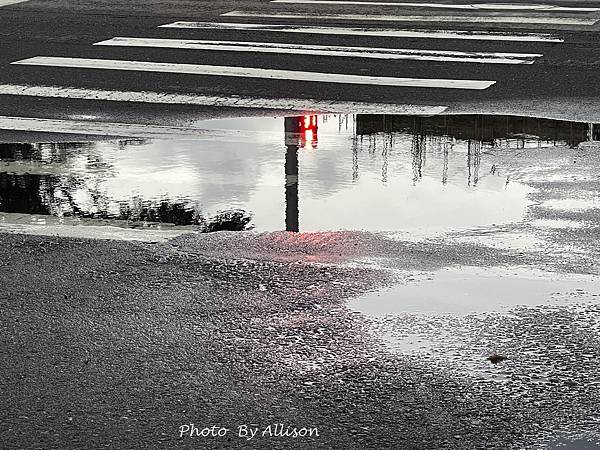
{"points": [[355, 168], [417, 149], [384, 167], [469, 163], [445, 167]]}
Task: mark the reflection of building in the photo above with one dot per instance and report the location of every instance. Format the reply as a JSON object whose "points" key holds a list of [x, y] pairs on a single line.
{"points": [[485, 129]]}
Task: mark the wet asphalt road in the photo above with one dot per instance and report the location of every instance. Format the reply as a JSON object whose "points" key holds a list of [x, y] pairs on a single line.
{"points": [[561, 83], [117, 344], [113, 344]]}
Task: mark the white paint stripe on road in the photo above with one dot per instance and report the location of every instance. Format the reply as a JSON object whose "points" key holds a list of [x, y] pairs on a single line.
{"points": [[473, 6], [103, 128], [287, 104], [11, 2], [378, 32], [420, 18], [322, 50], [252, 72]]}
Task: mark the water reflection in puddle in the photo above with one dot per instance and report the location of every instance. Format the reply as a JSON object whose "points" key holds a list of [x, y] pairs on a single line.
{"points": [[467, 290], [574, 444], [573, 204], [300, 174]]}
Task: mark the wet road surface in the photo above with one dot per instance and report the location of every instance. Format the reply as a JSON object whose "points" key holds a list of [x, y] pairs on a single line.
{"points": [[252, 57], [422, 277], [378, 338]]}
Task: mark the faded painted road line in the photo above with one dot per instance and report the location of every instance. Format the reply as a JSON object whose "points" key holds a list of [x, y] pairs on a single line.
{"points": [[11, 2], [475, 6], [252, 72], [548, 20], [379, 32], [322, 50], [286, 104], [103, 128]]}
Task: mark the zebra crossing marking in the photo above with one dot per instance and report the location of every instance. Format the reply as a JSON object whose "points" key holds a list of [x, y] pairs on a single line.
{"points": [[541, 20], [375, 32], [291, 104], [322, 50], [252, 72], [473, 6]]}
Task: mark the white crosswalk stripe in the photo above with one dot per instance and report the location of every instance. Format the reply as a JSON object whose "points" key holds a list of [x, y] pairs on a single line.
{"points": [[371, 32], [540, 20], [472, 6], [321, 50], [11, 2], [251, 72], [291, 104], [103, 128], [545, 15]]}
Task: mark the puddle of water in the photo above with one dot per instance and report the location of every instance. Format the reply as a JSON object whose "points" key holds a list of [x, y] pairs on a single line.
{"points": [[575, 444], [376, 173], [506, 240], [573, 204], [468, 290], [88, 228], [556, 223]]}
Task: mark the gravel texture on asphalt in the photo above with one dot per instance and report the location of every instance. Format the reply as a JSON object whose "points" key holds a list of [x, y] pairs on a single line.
{"points": [[117, 344]]}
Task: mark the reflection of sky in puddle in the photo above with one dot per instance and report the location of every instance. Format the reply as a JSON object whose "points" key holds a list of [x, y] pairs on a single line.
{"points": [[467, 290], [536, 239], [573, 204], [549, 223], [506, 240], [429, 206], [574, 444], [374, 182]]}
